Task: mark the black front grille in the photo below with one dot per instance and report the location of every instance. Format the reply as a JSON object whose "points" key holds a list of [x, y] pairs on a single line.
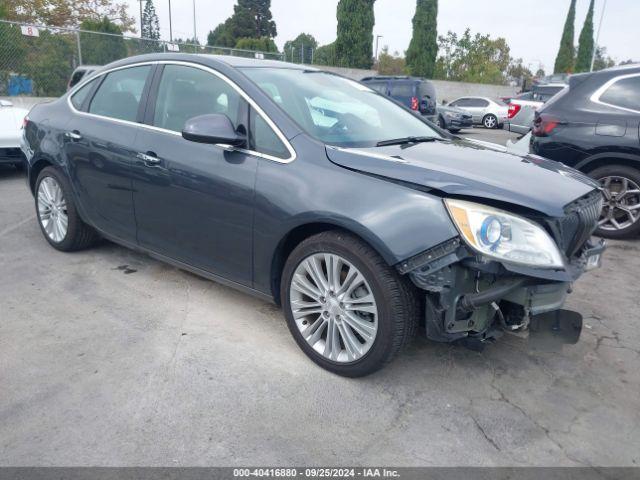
{"points": [[579, 223]]}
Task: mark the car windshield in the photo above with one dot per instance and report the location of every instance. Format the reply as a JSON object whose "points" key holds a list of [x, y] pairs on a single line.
{"points": [[336, 110]]}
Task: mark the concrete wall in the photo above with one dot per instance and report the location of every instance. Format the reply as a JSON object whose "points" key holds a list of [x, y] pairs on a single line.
{"points": [[448, 91], [27, 102]]}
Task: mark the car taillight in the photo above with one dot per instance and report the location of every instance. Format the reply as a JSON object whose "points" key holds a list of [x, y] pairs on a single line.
{"points": [[513, 110], [544, 124], [414, 103]]}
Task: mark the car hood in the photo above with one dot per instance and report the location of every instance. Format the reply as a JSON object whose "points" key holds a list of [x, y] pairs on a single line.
{"points": [[471, 169]]}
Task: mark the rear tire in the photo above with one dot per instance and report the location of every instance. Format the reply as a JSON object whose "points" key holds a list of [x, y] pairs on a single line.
{"points": [[490, 121], [617, 176], [394, 299], [49, 207]]}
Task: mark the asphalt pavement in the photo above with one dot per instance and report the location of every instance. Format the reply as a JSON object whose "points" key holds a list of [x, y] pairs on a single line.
{"points": [[110, 358]]}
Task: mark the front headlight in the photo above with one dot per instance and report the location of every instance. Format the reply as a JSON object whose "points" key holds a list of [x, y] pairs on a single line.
{"points": [[504, 236]]}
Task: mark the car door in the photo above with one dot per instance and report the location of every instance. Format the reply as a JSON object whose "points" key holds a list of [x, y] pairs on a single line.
{"points": [[478, 108], [193, 201], [98, 146]]}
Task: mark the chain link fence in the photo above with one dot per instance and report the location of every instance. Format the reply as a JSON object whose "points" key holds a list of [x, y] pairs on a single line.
{"points": [[37, 60]]}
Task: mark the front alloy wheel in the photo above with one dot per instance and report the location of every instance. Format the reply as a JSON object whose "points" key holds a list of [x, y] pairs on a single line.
{"points": [[347, 309], [334, 307]]}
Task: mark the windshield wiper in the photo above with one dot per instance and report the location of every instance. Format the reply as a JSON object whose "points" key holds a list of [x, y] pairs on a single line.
{"points": [[404, 140]]}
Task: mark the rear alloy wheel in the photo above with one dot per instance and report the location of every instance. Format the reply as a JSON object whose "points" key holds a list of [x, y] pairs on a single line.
{"points": [[490, 121], [57, 215], [346, 308], [621, 211]]}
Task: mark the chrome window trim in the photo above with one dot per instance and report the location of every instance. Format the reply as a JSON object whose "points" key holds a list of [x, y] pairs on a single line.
{"points": [[243, 94], [595, 98]]}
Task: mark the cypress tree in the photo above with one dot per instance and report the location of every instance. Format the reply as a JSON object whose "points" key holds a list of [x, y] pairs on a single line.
{"points": [[586, 44], [150, 22], [354, 45], [566, 54], [423, 49]]}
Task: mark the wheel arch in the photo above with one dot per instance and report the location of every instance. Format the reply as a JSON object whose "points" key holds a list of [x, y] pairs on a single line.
{"points": [[301, 232], [36, 167], [610, 158]]}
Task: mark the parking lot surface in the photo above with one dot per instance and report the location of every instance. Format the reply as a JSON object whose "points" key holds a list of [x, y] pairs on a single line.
{"points": [[110, 358]]}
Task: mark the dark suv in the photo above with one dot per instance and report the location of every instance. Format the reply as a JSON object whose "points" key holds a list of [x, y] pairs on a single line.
{"points": [[416, 93], [593, 126]]}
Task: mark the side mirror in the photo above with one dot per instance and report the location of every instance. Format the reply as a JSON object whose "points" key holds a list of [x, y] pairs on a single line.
{"points": [[214, 128]]}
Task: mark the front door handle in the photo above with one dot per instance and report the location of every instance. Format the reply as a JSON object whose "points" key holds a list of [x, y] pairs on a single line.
{"points": [[149, 160], [75, 135]]}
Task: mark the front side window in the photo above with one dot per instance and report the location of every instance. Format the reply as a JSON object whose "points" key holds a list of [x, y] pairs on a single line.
{"points": [[263, 139], [336, 110], [187, 92], [624, 93], [119, 94], [78, 98]]}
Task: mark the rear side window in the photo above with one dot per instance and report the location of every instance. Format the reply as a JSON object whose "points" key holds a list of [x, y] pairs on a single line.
{"points": [[187, 92], [624, 93], [78, 98], [402, 89], [119, 94], [263, 139]]}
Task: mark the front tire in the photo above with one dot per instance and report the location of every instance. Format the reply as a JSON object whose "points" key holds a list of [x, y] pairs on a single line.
{"points": [[348, 310], [57, 215], [621, 213], [490, 121]]}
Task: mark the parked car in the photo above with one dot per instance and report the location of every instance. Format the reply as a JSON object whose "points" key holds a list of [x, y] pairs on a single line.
{"points": [[453, 119], [523, 107], [11, 119], [415, 93], [593, 126], [355, 221], [485, 111], [81, 72]]}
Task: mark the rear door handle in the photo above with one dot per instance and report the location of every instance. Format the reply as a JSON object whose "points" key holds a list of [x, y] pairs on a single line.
{"points": [[75, 135], [149, 160]]}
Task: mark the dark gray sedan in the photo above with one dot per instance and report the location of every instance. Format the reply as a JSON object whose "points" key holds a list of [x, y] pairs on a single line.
{"points": [[315, 192]]}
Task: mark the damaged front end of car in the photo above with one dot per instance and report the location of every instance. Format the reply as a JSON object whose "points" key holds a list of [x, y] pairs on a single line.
{"points": [[506, 272]]}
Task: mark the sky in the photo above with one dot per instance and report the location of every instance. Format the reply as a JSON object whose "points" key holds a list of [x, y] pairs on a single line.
{"points": [[532, 28]]}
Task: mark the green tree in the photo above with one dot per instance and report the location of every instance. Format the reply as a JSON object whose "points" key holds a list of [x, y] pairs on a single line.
{"points": [[68, 13], [102, 49], [391, 64], [520, 73], [602, 60], [150, 22], [264, 44], [325, 55], [586, 43], [566, 54], [468, 58], [423, 49], [300, 49], [354, 44], [250, 19]]}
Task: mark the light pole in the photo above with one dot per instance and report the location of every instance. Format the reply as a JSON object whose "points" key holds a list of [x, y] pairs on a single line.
{"points": [[378, 37], [595, 48], [170, 29], [195, 35]]}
